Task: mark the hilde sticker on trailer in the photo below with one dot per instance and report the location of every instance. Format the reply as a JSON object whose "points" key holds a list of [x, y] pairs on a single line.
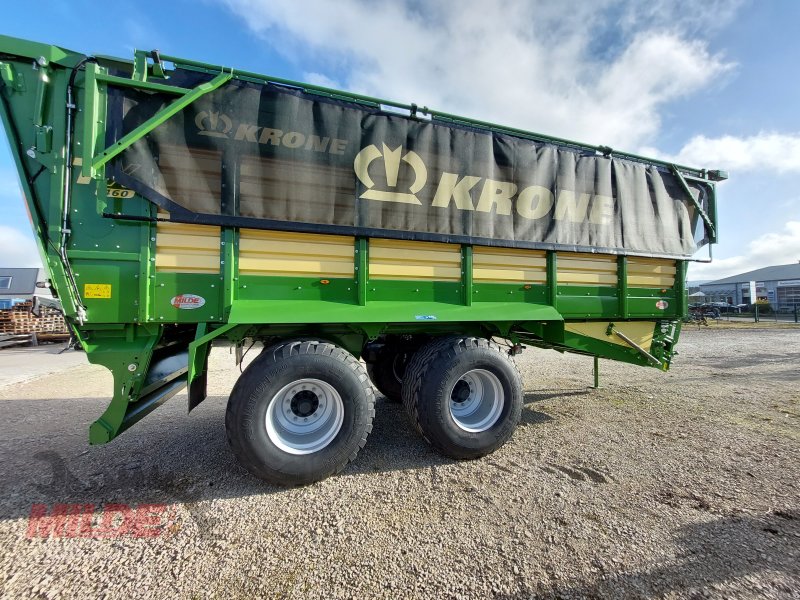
{"points": [[187, 301]]}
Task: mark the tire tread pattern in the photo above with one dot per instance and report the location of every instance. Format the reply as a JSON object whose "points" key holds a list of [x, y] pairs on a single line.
{"points": [[426, 359], [253, 378]]}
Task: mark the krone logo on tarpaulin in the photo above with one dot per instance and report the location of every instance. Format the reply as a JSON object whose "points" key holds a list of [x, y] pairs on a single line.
{"points": [[391, 162], [213, 124]]}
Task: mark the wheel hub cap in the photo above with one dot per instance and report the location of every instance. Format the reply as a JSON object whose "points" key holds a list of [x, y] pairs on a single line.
{"points": [[304, 416], [477, 400], [304, 403]]}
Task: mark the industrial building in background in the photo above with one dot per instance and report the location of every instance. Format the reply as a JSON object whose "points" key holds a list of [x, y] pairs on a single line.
{"points": [[778, 286]]}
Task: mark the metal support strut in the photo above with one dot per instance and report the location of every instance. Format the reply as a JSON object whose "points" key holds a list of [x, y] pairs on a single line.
{"points": [[651, 359]]}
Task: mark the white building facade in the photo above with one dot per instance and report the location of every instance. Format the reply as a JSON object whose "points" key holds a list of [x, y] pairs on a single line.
{"points": [[778, 285]]}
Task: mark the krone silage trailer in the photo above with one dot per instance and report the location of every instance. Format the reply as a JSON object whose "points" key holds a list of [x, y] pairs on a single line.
{"points": [[177, 204]]}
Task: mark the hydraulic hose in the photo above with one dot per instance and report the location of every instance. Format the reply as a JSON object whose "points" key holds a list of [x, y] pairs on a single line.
{"points": [[65, 229]]}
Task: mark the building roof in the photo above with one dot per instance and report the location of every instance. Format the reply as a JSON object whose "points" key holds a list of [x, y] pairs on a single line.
{"points": [[778, 272], [23, 282]]}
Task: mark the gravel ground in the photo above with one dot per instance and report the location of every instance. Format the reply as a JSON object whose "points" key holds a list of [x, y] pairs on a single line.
{"points": [[676, 485]]}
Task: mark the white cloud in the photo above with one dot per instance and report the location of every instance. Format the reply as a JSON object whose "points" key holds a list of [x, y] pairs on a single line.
{"points": [[779, 248], [689, 16], [17, 249], [595, 71], [321, 80], [764, 151]]}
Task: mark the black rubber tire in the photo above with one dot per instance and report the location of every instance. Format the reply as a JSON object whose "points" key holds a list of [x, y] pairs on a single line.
{"points": [[274, 368], [430, 377], [387, 372]]}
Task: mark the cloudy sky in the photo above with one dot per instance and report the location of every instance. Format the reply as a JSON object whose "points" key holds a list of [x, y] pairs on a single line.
{"points": [[711, 84]]}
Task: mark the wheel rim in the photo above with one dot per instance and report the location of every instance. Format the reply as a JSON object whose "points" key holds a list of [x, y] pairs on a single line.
{"points": [[304, 416], [476, 400]]}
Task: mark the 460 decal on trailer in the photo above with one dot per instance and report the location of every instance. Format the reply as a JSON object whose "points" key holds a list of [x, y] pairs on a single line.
{"points": [[178, 204]]}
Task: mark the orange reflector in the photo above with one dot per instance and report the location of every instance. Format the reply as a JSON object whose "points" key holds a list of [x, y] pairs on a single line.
{"points": [[324, 281]]}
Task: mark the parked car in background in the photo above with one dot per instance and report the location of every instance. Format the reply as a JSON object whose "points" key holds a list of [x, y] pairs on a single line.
{"points": [[715, 309]]}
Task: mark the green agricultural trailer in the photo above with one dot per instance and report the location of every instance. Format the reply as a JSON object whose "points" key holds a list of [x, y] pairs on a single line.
{"points": [[179, 204]]}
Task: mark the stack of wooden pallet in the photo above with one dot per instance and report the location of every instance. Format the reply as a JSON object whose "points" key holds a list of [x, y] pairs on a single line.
{"points": [[19, 320]]}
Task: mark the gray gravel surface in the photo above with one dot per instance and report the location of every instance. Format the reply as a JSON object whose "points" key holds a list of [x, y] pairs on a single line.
{"points": [[19, 363], [678, 485]]}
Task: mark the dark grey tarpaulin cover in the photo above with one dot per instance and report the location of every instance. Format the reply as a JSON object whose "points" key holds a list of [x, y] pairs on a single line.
{"points": [[267, 156]]}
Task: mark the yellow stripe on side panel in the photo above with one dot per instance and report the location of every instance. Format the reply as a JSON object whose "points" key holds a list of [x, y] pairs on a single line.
{"points": [[586, 269], [640, 332], [506, 265], [288, 254], [651, 272], [184, 248], [401, 259]]}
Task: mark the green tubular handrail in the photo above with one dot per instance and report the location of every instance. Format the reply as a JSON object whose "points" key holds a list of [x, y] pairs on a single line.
{"points": [[161, 116]]}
